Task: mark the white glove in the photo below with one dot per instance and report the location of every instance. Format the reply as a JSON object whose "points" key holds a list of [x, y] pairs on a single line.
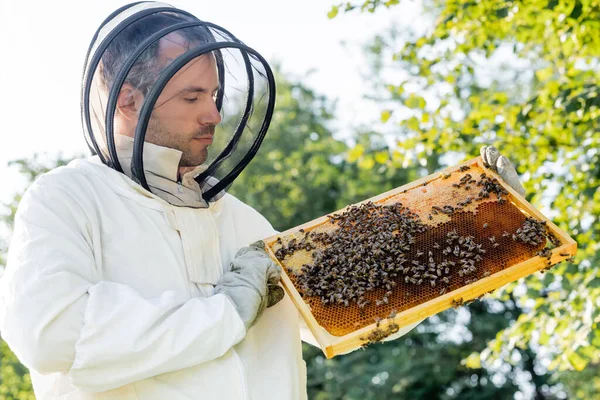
{"points": [[247, 283], [498, 163]]}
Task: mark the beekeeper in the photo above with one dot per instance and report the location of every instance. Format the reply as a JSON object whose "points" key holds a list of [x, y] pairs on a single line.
{"points": [[131, 274]]}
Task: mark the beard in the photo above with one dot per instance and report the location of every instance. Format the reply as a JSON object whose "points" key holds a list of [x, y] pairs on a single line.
{"points": [[157, 133]]}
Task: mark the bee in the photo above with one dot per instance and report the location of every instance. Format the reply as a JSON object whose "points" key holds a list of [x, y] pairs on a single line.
{"points": [[456, 251], [485, 225], [457, 302]]}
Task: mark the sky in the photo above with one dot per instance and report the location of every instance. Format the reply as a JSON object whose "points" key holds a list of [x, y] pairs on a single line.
{"points": [[44, 43]]}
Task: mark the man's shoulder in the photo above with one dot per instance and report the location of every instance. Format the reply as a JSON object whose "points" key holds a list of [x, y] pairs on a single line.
{"points": [[75, 175], [247, 216], [81, 180]]}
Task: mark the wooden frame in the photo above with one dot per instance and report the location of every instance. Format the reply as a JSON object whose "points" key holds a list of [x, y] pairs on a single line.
{"points": [[335, 345]]}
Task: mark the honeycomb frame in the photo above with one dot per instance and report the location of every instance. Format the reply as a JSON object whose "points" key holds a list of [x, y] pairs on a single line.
{"points": [[340, 329]]}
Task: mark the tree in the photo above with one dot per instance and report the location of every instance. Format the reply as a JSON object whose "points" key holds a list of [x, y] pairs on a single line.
{"points": [[542, 108]]}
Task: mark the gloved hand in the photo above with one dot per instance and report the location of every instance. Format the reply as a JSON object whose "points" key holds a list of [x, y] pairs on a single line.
{"points": [[276, 292], [247, 282], [498, 163]]}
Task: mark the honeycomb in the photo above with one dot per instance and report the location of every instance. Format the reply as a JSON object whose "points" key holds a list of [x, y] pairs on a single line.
{"points": [[491, 223]]}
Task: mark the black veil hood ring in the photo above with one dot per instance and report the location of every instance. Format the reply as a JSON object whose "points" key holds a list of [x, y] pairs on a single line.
{"points": [[248, 101]]}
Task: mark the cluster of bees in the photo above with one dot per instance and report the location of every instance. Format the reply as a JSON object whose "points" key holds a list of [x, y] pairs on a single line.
{"points": [[532, 232], [368, 251], [372, 248], [378, 334]]}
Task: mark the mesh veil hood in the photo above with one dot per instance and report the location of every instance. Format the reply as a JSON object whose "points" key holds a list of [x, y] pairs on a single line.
{"points": [[126, 55]]}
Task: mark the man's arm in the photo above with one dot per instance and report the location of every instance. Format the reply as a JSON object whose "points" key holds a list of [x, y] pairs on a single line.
{"points": [[58, 315]]}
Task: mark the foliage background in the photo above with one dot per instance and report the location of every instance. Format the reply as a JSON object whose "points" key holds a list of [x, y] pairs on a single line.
{"points": [[520, 75]]}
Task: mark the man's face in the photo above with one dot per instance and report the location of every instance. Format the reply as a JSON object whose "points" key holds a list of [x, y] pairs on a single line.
{"points": [[185, 114]]}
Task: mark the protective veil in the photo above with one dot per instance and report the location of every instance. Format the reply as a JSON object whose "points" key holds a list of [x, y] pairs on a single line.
{"points": [[162, 89]]}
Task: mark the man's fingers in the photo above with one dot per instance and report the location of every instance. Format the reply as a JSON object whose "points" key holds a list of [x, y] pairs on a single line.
{"points": [[483, 154], [509, 174], [276, 293], [259, 244], [273, 273], [491, 156]]}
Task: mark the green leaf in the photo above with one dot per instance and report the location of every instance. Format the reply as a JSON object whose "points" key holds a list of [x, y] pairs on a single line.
{"points": [[544, 74], [413, 123], [355, 153], [544, 338], [415, 101], [333, 12], [577, 361], [366, 163], [594, 283], [473, 361], [382, 157], [385, 115]]}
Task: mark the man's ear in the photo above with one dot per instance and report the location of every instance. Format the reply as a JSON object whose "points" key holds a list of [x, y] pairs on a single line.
{"points": [[129, 102]]}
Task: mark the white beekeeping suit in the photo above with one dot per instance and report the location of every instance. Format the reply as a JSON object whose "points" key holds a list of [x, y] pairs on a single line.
{"points": [[115, 282]]}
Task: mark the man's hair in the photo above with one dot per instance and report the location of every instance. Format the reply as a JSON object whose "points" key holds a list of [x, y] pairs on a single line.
{"points": [[146, 69]]}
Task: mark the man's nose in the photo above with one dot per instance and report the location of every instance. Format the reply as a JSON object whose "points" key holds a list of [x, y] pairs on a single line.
{"points": [[211, 116]]}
